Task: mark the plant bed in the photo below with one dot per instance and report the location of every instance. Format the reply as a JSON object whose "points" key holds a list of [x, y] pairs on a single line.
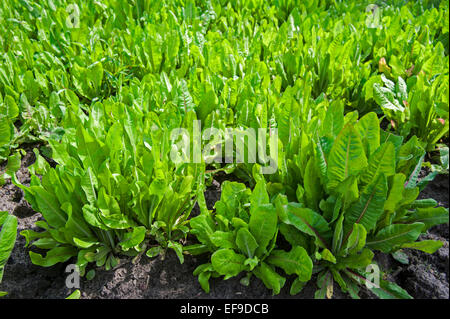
{"points": [[224, 149]]}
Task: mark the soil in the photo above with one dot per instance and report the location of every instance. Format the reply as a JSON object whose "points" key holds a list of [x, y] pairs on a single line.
{"points": [[426, 276]]}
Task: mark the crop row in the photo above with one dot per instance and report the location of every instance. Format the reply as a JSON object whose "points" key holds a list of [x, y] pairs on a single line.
{"points": [[356, 93]]}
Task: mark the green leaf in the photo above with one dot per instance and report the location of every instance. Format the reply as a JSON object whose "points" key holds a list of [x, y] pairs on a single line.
{"points": [[111, 214], [401, 87], [90, 274], [386, 99], [252, 262], [223, 239], [328, 256], [226, 262], [423, 203], [427, 246], [390, 290], [154, 251], [269, 277], [297, 286], [133, 238], [368, 128], [203, 279], [339, 279], [8, 234], [196, 249], [263, 225], [13, 165], [356, 261], [203, 227], [53, 256], [352, 287], [382, 161], [322, 148], [395, 192], [91, 216], [178, 248], [309, 222], [259, 196], [313, 189], [368, 209], [325, 284], [338, 234], [46, 243], [429, 217], [401, 257], [346, 157], [246, 242], [357, 239], [5, 131], [49, 207], [294, 236], [12, 110], [89, 184], [74, 295], [394, 235], [334, 119], [232, 193], [385, 290]]}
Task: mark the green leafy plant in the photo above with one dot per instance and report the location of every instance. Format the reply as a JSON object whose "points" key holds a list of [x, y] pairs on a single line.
{"points": [[8, 133], [114, 190], [8, 234], [241, 237]]}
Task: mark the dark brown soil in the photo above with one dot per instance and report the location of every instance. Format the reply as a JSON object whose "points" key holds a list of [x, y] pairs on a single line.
{"points": [[426, 276]]}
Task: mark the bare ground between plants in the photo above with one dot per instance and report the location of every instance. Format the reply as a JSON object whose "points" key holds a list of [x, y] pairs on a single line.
{"points": [[426, 276]]}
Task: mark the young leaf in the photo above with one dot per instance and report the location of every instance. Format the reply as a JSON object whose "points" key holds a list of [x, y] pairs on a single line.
{"points": [[368, 128], [226, 262], [428, 216], [347, 156], [382, 161], [178, 248], [246, 242]]}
